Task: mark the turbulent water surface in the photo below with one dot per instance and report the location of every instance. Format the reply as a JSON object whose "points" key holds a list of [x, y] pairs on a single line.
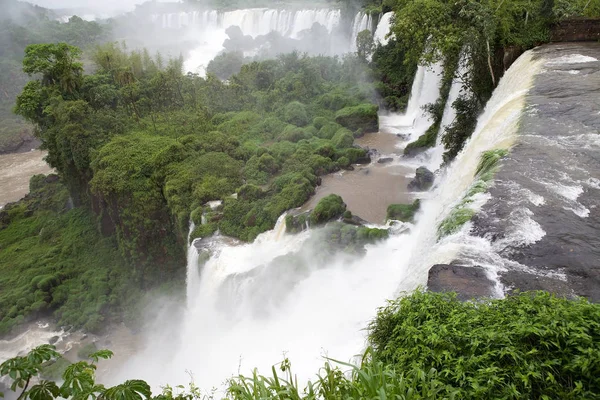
{"points": [[541, 225]]}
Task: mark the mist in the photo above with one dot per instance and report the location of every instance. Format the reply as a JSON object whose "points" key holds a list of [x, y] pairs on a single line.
{"points": [[105, 7]]}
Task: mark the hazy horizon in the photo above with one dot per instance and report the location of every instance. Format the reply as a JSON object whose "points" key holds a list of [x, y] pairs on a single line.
{"points": [[103, 6]]}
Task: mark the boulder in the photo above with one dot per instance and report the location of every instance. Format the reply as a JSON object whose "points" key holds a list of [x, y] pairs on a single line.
{"points": [[360, 119], [297, 222], [423, 180], [467, 282], [385, 160], [403, 212]]}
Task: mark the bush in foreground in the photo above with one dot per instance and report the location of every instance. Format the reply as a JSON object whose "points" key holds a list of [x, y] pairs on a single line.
{"points": [[424, 346]]}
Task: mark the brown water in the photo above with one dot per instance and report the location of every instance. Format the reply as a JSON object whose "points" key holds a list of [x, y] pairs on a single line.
{"points": [[369, 189], [15, 171]]}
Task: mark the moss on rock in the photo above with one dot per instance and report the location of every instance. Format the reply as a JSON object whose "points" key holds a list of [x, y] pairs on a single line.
{"points": [[362, 118]]}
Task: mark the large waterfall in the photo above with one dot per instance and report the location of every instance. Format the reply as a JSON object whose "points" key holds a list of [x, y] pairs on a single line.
{"points": [[208, 29], [383, 28], [252, 305], [425, 90], [253, 22]]}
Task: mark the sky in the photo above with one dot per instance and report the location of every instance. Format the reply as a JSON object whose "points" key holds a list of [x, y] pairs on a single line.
{"points": [[98, 5]]}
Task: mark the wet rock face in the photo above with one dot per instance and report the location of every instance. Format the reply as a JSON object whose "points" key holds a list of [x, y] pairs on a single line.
{"points": [[467, 282], [423, 180], [542, 219], [385, 160]]}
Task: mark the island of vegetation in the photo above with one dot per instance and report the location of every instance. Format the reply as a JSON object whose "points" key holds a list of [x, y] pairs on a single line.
{"points": [[140, 147]]}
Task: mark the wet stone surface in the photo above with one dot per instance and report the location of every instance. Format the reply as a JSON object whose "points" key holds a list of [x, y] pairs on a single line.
{"points": [[544, 213]]}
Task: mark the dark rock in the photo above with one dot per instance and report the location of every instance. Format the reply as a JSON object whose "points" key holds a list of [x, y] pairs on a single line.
{"points": [[414, 151], [467, 282], [385, 160], [297, 221], [53, 339], [403, 136], [51, 178], [365, 171], [423, 180], [360, 119], [355, 220], [372, 152]]}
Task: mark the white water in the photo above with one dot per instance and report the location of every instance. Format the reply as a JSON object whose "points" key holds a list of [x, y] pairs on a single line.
{"points": [[209, 26], [457, 88], [425, 90], [383, 28], [362, 22], [250, 308]]}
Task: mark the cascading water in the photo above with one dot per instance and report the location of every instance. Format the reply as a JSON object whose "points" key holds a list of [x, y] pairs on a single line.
{"points": [[383, 28], [257, 303], [362, 22], [208, 27], [253, 21], [425, 90], [457, 88]]}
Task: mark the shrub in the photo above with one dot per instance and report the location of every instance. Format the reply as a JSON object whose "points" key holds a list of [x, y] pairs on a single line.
{"points": [[295, 113], [362, 118], [530, 345], [403, 212], [329, 208], [343, 138]]}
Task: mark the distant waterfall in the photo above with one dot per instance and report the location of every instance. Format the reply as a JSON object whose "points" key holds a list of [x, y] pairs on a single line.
{"points": [[254, 21], [425, 90], [362, 22], [383, 28]]}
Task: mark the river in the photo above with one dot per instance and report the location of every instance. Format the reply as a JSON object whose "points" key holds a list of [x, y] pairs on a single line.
{"points": [[15, 171]]}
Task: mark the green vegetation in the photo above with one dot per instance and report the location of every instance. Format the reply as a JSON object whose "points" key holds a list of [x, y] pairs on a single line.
{"points": [[54, 260], [329, 208], [403, 212], [139, 146], [531, 345], [462, 213], [22, 24], [438, 30], [422, 346]]}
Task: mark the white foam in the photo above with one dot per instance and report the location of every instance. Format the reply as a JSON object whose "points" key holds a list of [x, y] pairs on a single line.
{"points": [[571, 59]]}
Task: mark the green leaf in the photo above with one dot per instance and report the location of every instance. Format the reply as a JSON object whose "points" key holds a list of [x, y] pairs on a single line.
{"points": [[104, 354], [130, 390], [45, 390]]}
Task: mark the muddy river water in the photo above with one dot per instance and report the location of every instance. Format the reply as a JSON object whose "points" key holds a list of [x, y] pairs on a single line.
{"points": [[15, 171]]}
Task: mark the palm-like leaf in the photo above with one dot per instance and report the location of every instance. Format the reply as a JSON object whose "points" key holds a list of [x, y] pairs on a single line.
{"points": [[45, 390], [130, 390]]}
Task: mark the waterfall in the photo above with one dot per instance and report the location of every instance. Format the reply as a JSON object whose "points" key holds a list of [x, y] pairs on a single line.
{"points": [[361, 22], [254, 21], [254, 304], [425, 90], [457, 87], [383, 28], [192, 275], [208, 27]]}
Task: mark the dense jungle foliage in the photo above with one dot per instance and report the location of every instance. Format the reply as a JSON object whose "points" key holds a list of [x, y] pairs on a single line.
{"points": [[52, 258], [423, 346], [22, 24], [478, 33], [144, 147], [141, 147]]}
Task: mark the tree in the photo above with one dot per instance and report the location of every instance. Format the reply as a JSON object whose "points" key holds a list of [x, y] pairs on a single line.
{"points": [[58, 64], [365, 44]]}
